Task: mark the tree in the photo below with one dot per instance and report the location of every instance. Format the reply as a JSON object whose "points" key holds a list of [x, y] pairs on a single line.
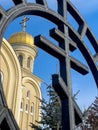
{"points": [[90, 121], [51, 111]]}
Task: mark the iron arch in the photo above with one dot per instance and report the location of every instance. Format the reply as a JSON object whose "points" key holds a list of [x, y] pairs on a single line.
{"points": [[61, 52], [35, 9]]}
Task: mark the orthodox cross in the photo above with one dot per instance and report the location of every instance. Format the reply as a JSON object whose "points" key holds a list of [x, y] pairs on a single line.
{"points": [[68, 40], [23, 23]]}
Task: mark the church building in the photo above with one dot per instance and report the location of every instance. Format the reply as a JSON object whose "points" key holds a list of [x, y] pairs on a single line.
{"points": [[21, 87]]}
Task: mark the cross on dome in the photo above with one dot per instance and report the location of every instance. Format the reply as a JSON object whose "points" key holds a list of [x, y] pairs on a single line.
{"points": [[23, 23]]}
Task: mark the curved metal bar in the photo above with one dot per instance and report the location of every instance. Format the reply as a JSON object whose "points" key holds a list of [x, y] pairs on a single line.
{"points": [[73, 11], [85, 52], [83, 27], [40, 10], [33, 9]]}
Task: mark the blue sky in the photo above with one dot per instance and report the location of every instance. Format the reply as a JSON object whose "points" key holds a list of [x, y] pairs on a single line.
{"points": [[45, 65]]}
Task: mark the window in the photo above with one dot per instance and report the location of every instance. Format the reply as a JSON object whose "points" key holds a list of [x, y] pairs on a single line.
{"points": [[21, 105], [32, 109], [29, 61], [26, 108], [1, 77], [28, 94], [20, 58]]}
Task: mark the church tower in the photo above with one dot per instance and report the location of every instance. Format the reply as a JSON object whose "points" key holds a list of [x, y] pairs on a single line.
{"points": [[23, 45], [28, 92]]}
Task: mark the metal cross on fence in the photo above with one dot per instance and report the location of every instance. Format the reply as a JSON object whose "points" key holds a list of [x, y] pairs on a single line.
{"points": [[69, 40]]}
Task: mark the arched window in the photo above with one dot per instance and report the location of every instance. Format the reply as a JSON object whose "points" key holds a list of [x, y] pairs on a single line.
{"points": [[28, 94], [32, 109], [20, 58], [29, 61], [1, 76], [27, 108], [21, 105]]}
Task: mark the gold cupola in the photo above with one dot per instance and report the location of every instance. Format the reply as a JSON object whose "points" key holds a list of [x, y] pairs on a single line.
{"points": [[23, 45], [21, 37]]}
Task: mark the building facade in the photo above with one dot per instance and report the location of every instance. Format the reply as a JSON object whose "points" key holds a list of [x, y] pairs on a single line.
{"points": [[21, 87]]}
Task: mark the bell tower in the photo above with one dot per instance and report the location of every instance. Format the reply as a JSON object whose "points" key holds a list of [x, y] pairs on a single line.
{"points": [[26, 52], [23, 45]]}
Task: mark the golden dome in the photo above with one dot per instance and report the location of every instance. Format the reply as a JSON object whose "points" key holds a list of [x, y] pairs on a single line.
{"points": [[21, 37]]}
